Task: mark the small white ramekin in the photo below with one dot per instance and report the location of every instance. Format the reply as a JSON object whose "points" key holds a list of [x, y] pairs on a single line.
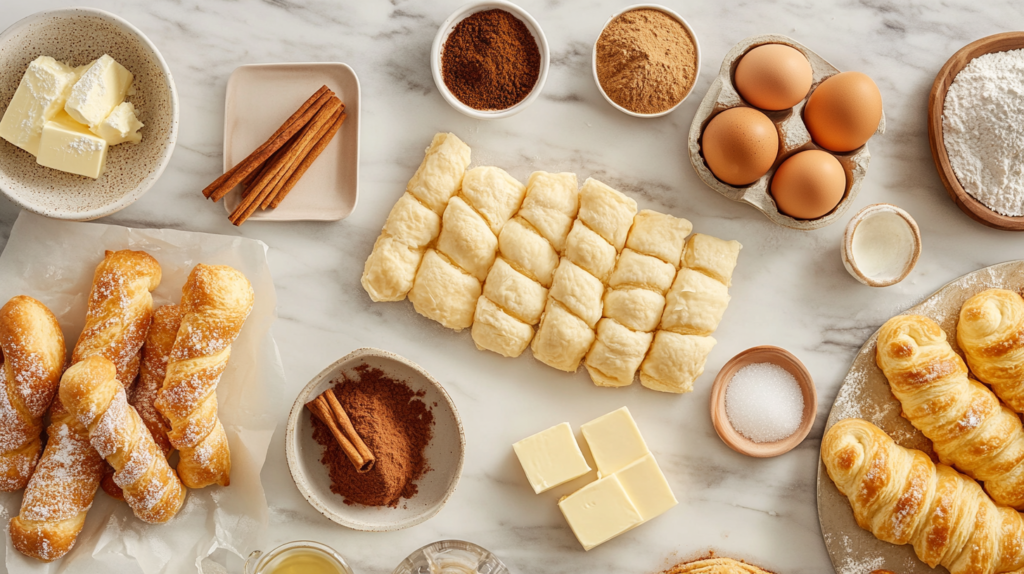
{"points": [[696, 45], [846, 248], [446, 29]]}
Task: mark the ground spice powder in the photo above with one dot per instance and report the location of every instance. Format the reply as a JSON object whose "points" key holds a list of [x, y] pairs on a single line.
{"points": [[646, 61], [490, 61], [394, 423]]}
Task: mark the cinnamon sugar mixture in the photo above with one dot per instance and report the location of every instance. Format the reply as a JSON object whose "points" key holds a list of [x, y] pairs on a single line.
{"points": [[394, 423]]}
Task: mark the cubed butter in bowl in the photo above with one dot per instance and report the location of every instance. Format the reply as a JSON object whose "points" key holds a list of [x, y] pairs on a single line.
{"points": [[69, 146]]}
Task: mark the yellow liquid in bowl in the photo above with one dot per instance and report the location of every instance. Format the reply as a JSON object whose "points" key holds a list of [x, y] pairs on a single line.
{"points": [[303, 562]]}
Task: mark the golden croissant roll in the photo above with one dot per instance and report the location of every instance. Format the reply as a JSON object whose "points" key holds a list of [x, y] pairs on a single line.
{"points": [[991, 335], [120, 310], [60, 492], [901, 497], [155, 352], [215, 302], [968, 426], [91, 392], [32, 357]]}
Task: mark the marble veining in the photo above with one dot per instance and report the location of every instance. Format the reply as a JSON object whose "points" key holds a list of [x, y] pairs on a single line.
{"points": [[790, 288]]}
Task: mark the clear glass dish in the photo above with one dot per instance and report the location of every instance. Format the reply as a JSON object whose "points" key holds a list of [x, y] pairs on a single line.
{"points": [[451, 557], [266, 563]]}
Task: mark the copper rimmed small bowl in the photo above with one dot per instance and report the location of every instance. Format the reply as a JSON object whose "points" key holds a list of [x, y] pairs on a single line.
{"points": [[776, 356]]}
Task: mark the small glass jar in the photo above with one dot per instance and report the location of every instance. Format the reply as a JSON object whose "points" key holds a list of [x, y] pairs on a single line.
{"points": [[277, 559], [451, 557]]}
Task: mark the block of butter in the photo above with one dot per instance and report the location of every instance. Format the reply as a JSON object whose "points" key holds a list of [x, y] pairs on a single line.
{"points": [[646, 486], [100, 89], [68, 146], [614, 440], [551, 457], [599, 511], [120, 126], [41, 94]]}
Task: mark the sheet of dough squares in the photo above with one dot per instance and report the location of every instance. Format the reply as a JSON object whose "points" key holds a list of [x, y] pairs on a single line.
{"points": [[577, 274]]}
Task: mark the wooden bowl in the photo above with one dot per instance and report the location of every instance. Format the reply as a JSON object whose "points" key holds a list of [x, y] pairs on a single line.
{"points": [[776, 356], [977, 210]]}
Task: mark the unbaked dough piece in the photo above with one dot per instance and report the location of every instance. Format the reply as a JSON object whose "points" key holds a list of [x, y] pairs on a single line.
{"points": [[590, 251], [675, 361], [412, 223], [713, 257], [695, 304], [552, 201], [515, 293], [562, 338], [579, 291], [390, 269], [606, 211], [494, 193], [439, 176], [636, 308], [528, 252], [444, 293], [466, 239], [660, 235], [496, 330], [637, 270], [616, 354]]}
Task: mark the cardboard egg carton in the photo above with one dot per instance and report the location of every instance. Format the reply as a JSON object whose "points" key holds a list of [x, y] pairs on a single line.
{"points": [[793, 137]]}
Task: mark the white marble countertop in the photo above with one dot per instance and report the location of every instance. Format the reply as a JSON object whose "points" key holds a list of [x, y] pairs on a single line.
{"points": [[790, 288]]}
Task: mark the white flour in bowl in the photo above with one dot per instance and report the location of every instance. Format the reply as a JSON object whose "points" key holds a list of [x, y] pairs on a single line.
{"points": [[983, 129]]}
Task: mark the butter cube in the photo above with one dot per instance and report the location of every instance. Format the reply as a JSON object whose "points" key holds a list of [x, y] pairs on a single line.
{"points": [[41, 94], [614, 441], [647, 488], [120, 126], [100, 89], [551, 458], [599, 511], [68, 146]]}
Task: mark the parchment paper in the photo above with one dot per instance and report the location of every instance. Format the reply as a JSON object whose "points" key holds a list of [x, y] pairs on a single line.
{"points": [[53, 261]]}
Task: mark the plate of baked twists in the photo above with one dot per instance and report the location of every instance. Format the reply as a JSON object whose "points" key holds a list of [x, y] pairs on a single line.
{"points": [[139, 375], [922, 461]]}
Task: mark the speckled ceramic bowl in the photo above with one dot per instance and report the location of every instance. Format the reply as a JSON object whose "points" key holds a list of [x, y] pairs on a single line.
{"points": [[77, 36], [444, 453]]}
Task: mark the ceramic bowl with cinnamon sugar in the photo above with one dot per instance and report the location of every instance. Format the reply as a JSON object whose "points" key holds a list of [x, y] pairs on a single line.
{"points": [[444, 453]]}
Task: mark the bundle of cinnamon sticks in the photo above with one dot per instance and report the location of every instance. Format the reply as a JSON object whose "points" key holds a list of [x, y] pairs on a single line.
{"points": [[273, 169], [328, 409]]}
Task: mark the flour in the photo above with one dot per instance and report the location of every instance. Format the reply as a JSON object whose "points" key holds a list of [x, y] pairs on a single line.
{"points": [[983, 129]]}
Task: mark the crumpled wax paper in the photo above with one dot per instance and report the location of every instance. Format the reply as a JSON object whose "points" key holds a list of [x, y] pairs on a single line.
{"points": [[53, 261]]}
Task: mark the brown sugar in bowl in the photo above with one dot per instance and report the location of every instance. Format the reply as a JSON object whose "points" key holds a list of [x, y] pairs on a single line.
{"points": [[762, 354]]}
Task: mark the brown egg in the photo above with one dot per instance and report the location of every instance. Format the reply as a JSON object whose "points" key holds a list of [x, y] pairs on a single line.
{"points": [[740, 145], [773, 77], [809, 184], [844, 111]]}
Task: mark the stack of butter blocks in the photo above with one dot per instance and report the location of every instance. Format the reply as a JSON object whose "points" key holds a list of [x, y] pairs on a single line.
{"points": [[577, 275], [68, 117], [629, 491]]}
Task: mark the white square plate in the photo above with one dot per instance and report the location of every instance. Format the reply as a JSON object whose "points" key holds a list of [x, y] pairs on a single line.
{"points": [[260, 97]]}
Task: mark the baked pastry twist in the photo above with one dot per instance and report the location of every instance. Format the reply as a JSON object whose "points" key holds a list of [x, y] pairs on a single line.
{"points": [[155, 352], [120, 311], [32, 357], [91, 392], [968, 426], [60, 492], [215, 302], [901, 497], [991, 335]]}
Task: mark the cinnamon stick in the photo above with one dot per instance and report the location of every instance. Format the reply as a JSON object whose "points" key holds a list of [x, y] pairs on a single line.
{"points": [[345, 424], [302, 109], [301, 157], [264, 152], [321, 144], [263, 187], [321, 409]]}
